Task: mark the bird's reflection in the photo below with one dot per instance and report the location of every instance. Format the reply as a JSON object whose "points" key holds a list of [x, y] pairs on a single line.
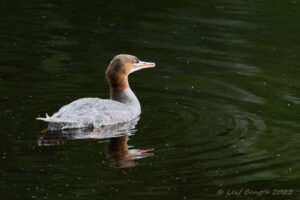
{"points": [[118, 152]]}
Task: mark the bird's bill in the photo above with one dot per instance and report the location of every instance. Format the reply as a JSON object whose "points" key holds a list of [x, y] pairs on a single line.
{"points": [[143, 64]]}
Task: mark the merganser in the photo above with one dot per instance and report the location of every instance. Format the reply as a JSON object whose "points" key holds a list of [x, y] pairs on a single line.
{"points": [[123, 105]]}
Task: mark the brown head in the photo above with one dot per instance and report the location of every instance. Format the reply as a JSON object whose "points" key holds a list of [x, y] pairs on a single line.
{"points": [[119, 69]]}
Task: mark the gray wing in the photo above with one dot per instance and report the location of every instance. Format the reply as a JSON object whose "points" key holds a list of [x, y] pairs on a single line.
{"points": [[87, 106]]}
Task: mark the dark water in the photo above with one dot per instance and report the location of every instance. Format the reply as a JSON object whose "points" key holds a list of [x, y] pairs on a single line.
{"points": [[220, 112]]}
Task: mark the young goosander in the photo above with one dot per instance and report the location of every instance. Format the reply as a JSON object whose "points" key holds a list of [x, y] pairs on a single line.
{"points": [[122, 106]]}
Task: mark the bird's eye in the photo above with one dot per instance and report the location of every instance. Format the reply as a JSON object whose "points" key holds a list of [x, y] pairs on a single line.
{"points": [[136, 61]]}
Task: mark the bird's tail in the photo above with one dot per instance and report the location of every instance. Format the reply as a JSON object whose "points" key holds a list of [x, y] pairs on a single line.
{"points": [[46, 119], [55, 123], [53, 119]]}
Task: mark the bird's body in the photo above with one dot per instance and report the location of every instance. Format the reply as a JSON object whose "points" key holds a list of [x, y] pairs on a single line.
{"points": [[122, 106], [94, 113]]}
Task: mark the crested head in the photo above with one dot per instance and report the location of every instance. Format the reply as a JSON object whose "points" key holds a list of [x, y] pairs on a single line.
{"points": [[119, 69]]}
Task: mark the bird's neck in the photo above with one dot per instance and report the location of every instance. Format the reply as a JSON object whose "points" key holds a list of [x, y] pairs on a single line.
{"points": [[124, 96]]}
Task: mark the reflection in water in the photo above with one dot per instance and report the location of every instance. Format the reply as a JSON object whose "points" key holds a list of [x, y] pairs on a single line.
{"points": [[119, 154], [117, 149]]}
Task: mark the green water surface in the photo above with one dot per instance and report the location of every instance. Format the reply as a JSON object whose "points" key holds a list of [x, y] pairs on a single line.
{"points": [[220, 112]]}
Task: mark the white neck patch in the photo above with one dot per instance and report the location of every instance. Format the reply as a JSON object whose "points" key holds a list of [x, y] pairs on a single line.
{"points": [[134, 69]]}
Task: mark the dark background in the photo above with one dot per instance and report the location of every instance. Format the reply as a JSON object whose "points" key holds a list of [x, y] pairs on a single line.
{"points": [[220, 110]]}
